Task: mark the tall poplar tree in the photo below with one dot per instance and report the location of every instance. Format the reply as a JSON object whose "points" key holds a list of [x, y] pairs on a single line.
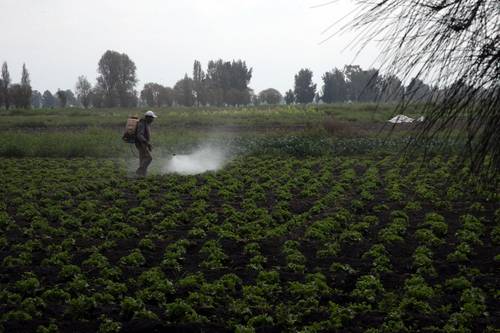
{"points": [[5, 84]]}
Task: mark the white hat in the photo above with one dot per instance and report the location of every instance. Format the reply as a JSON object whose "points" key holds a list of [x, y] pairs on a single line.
{"points": [[150, 114]]}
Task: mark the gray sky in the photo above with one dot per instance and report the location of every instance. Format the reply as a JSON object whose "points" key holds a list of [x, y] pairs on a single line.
{"points": [[62, 39]]}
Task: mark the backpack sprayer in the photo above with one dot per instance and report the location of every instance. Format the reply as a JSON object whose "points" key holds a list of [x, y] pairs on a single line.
{"points": [[129, 135]]}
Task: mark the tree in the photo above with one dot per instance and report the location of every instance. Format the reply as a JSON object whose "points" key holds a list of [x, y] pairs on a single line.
{"points": [[199, 83], [270, 96], [237, 97], [16, 95], [334, 87], [418, 91], [154, 94], [48, 100], [36, 99], [117, 79], [97, 97], [83, 91], [5, 85], [240, 77], [25, 89], [61, 96], [289, 97], [254, 99], [362, 85], [227, 82], [149, 94], [166, 96], [1, 94], [392, 89], [71, 99], [453, 44], [317, 98], [184, 93], [304, 88]]}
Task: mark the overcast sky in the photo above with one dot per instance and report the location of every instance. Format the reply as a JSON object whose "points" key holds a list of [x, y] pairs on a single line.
{"points": [[62, 39]]}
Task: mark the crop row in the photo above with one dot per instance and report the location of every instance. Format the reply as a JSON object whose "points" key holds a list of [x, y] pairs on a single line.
{"points": [[267, 244]]}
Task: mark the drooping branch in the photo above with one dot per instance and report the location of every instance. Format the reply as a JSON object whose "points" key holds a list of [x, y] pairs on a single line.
{"points": [[455, 44]]}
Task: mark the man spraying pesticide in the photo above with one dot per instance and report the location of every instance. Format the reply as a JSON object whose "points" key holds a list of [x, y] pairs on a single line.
{"points": [[139, 132]]}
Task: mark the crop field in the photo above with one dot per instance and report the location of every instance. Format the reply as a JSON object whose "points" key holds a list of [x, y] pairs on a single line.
{"points": [[306, 229], [296, 130]]}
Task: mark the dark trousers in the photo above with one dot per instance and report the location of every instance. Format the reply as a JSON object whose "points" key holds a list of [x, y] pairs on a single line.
{"points": [[145, 158]]}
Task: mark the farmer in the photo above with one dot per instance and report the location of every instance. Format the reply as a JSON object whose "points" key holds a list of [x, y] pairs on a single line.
{"points": [[143, 144]]}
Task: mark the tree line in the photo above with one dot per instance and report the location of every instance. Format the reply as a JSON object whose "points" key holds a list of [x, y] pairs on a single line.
{"points": [[221, 83], [355, 84], [15, 94]]}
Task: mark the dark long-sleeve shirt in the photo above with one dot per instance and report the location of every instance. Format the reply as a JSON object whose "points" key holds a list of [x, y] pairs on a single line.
{"points": [[143, 132]]}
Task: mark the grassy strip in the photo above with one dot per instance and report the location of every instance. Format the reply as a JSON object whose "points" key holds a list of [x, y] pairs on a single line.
{"points": [[174, 117], [104, 143]]}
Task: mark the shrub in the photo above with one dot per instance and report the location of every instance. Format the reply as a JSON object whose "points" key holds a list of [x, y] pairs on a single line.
{"points": [[134, 259], [368, 288], [427, 237], [181, 312]]}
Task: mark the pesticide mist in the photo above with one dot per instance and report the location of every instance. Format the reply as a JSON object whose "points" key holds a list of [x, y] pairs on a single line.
{"points": [[204, 159]]}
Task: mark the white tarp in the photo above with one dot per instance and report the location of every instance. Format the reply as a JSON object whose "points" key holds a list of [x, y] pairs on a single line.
{"points": [[400, 118]]}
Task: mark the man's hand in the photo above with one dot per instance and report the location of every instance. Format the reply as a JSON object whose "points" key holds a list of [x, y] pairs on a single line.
{"points": [[149, 147]]}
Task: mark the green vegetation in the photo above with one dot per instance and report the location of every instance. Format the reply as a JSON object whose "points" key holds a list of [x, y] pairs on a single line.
{"points": [[304, 230], [270, 242], [339, 129], [268, 115]]}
